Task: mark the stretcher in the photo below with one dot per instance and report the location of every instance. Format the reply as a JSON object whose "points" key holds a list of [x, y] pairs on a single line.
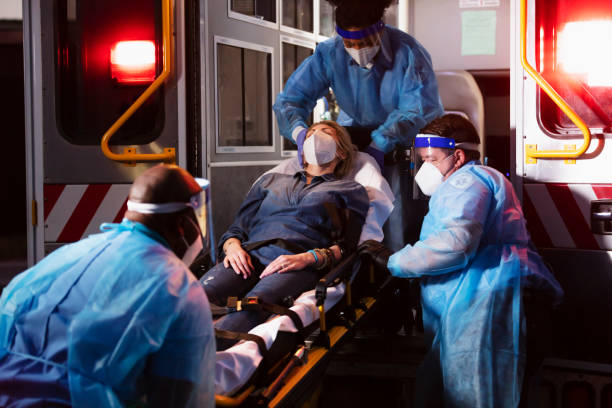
{"points": [[282, 364]]}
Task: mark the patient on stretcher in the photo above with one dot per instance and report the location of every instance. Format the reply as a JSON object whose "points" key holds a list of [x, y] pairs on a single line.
{"points": [[290, 228]]}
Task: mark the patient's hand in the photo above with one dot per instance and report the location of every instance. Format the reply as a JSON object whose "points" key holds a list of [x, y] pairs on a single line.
{"points": [[287, 263], [239, 259]]}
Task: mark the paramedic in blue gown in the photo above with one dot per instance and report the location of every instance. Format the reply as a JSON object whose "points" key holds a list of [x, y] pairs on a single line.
{"points": [[383, 81], [117, 318], [284, 236], [474, 260]]}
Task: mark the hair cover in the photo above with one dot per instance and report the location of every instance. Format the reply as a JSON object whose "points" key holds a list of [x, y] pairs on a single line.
{"points": [[359, 13]]}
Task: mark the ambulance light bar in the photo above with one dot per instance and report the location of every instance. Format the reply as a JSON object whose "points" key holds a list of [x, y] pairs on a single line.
{"points": [[133, 62], [583, 48]]}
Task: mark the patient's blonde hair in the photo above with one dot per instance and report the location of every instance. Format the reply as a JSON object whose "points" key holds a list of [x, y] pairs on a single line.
{"points": [[344, 147]]}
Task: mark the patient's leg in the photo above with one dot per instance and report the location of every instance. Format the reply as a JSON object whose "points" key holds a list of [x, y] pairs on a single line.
{"points": [[271, 289], [220, 282]]}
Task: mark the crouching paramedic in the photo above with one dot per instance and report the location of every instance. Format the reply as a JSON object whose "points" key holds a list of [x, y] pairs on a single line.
{"points": [[115, 319], [284, 234], [474, 260]]}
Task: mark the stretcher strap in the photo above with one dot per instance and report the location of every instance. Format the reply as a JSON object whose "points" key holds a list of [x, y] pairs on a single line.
{"points": [[231, 335], [254, 303]]}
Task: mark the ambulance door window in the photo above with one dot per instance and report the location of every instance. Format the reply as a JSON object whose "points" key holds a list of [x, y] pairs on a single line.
{"points": [[297, 14], [261, 12], [293, 54], [571, 49], [390, 16], [326, 19], [244, 97], [95, 84]]}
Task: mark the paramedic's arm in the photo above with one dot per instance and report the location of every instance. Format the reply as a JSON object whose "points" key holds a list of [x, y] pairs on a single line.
{"points": [[457, 216], [419, 103], [294, 104], [182, 370]]}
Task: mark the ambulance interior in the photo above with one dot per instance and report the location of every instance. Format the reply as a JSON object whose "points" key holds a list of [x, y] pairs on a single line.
{"points": [[230, 60]]}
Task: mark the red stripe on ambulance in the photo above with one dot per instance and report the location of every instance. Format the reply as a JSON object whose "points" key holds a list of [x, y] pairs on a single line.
{"points": [[74, 211], [576, 224]]}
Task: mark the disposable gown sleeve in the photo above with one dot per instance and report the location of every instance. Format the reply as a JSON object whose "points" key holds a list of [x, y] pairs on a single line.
{"points": [[246, 214], [419, 103], [451, 232], [305, 86]]}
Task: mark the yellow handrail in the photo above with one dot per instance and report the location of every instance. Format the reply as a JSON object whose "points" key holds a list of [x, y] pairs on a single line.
{"points": [[554, 154], [169, 156]]}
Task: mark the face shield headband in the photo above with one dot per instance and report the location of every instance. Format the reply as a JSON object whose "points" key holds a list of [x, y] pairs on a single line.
{"points": [[199, 202], [426, 140], [359, 34]]}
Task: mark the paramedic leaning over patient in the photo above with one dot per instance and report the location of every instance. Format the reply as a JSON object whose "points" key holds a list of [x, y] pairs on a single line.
{"points": [[474, 258], [384, 83], [382, 79], [117, 318], [284, 234]]}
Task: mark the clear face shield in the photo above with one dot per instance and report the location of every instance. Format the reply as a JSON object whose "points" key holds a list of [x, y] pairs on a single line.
{"points": [[200, 203], [362, 45], [432, 161]]}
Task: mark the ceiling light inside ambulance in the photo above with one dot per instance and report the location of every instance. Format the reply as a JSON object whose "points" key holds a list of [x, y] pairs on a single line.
{"points": [[583, 48], [133, 62]]}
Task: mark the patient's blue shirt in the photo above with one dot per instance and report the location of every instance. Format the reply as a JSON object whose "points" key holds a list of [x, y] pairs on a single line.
{"points": [[284, 206]]}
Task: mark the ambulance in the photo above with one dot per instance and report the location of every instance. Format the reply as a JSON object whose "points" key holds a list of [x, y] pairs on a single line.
{"points": [[113, 87]]}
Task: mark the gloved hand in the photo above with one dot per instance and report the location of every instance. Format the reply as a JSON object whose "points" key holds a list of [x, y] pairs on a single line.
{"points": [[377, 252], [378, 155], [300, 146]]}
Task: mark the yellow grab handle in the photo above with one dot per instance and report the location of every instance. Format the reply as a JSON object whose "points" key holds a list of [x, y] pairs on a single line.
{"points": [[170, 155], [551, 154]]}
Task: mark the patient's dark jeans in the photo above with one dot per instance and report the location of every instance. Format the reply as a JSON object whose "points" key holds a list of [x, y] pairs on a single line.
{"points": [[221, 282]]}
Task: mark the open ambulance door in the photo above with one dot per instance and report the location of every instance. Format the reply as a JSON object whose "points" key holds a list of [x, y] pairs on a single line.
{"points": [[561, 116], [105, 99]]}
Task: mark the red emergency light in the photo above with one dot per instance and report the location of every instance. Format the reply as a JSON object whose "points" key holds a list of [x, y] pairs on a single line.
{"points": [[133, 62], [583, 49]]}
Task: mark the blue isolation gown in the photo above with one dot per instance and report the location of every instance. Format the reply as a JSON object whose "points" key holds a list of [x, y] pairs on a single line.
{"points": [[473, 258], [90, 323], [397, 96]]}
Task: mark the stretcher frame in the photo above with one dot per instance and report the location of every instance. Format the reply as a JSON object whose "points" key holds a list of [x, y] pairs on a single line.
{"points": [[295, 380]]}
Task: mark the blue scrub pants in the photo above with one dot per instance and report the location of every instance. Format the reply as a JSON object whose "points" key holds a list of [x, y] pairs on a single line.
{"points": [[220, 283]]}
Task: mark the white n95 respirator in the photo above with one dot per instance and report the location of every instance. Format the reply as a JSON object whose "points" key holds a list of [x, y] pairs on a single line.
{"points": [[319, 148], [428, 178], [363, 56]]}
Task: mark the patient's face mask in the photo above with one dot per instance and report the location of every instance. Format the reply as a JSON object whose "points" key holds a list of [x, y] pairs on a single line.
{"points": [[319, 148], [199, 203]]}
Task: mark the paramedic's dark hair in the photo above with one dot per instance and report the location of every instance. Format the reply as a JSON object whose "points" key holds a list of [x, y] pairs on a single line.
{"points": [[457, 127], [359, 13]]}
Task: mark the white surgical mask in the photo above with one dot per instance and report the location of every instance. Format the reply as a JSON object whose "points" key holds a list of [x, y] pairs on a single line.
{"points": [[193, 250], [429, 177], [319, 148], [363, 56]]}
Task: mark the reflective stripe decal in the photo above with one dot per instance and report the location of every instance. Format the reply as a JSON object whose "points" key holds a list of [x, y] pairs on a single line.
{"points": [[559, 215], [75, 211], [577, 225]]}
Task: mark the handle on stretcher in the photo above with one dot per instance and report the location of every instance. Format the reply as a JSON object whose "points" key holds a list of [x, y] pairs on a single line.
{"points": [[340, 271]]}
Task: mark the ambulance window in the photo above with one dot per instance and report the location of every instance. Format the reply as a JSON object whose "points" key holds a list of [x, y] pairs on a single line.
{"points": [[326, 19], [571, 41], [244, 97], [254, 11], [90, 96], [292, 56], [298, 14], [390, 16]]}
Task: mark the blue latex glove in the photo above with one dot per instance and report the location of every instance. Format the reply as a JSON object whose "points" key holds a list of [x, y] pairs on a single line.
{"points": [[300, 145], [378, 155]]}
